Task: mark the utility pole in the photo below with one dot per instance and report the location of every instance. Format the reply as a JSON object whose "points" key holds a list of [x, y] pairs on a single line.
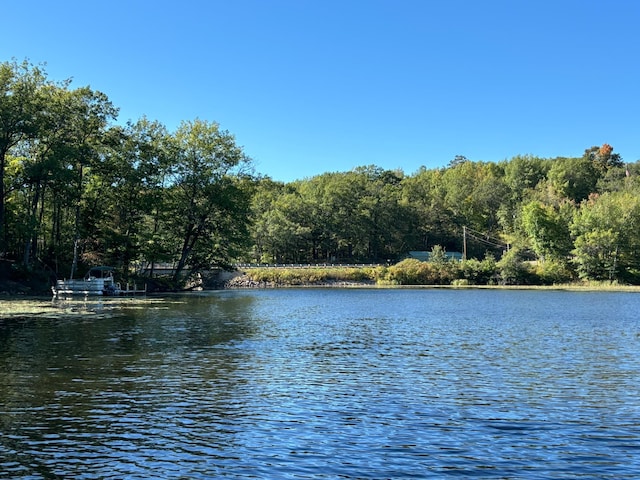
{"points": [[464, 242]]}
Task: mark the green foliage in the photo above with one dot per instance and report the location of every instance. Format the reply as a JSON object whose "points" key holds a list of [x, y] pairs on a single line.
{"points": [[522, 174], [438, 256], [312, 275], [513, 270], [547, 230], [479, 272], [76, 189], [574, 178], [79, 190], [410, 272], [432, 222], [207, 199], [553, 272], [603, 157], [596, 255], [351, 216], [414, 272], [607, 236], [473, 191]]}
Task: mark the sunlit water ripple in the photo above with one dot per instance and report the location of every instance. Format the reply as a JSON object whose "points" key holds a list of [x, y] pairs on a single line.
{"points": [[323, 383]]}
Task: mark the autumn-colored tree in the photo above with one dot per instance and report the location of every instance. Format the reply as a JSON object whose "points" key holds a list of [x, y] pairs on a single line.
{"points": [[603, 157]]}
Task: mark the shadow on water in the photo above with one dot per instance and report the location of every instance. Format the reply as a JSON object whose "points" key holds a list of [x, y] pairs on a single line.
{"points": [[323, 383], [121, 379]]}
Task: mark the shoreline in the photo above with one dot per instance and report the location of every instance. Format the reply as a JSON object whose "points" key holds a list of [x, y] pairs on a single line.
{"points": [[28, 307], [244, 282]]}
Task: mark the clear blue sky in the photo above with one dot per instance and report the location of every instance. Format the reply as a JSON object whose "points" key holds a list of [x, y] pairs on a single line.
{"points": [[309, 87]]}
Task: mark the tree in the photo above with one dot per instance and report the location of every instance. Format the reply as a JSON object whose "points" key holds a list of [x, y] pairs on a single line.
{"points": [[386, 220], [573, 178], [596, 254], [51, 167], [547, 230], [523, 173], [208, 202], [603, 158], [335, 220], [512, 269], [457, 160], [82, 147], [136, 168], [438, 255], [278, 236], [474, 193], [431, 221], [20, 114], [607, 238]]}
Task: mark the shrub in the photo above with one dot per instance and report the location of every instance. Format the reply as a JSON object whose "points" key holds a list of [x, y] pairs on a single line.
{"points": [[415, 272], [513, 270], [478, 272], [304, 276], [552, 272]]}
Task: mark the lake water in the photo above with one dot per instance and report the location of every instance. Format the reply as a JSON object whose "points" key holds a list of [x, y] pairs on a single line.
{"points": [[324, 384]]}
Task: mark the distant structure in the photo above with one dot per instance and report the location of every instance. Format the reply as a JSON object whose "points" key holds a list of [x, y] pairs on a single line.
{"points": [[424, 255]]}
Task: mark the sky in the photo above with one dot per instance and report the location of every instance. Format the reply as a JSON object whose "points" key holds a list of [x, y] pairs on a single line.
{"points": [[309, 87]]}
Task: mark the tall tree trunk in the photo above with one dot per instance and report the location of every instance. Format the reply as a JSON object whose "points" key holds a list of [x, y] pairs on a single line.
{"points": [[187, 244], [3, 238], [32, 235], [76, 232], [41, 228]]}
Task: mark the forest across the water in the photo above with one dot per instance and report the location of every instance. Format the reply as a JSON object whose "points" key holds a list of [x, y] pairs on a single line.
{"points": [[79, 189]]}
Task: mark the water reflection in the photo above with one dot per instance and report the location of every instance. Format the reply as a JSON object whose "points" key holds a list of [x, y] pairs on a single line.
{"points": [[124, 385], [326, 384]]}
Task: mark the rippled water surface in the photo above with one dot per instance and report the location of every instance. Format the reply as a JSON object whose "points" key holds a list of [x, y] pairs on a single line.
{"points": [[326, 383]]}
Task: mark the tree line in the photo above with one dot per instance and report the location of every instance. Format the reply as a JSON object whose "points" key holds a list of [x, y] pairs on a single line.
{"points": [[567, 218], [78, 189]]}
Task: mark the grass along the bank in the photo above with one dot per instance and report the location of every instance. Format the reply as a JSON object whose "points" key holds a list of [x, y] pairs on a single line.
{"points": [[313, 275], [408, 272]]}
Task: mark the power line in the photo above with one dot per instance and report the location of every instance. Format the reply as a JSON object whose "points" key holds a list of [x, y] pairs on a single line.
{"points": [[487, 242], [486, 235], [482, 238]]}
